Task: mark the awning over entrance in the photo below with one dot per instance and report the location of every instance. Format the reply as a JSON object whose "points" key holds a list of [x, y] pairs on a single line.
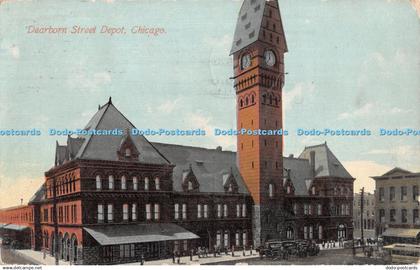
{"points": [[138, 233], [14, 227], [400, 232]]}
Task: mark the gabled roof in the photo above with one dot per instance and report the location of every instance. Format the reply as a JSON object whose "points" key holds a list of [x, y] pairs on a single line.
{"points": [[396, 171], [249, 24], [326, 163], [209, 166], [103, 147]]}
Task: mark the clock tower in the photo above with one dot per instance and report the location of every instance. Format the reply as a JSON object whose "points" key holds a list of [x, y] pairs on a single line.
{"points": [[258, 62]]}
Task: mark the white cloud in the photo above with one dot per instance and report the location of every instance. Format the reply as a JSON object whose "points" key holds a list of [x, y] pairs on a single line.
{"points": [[205, 123], [297, 94], [11, 49], [404, 156], [89, 82], [168, 106], [362, 111]]}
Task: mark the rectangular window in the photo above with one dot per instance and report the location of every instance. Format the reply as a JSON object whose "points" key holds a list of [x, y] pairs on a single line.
{"points": [[184, 211], [244, 239], [134, 211], [226, 239], [295, 209], [206, 211], [382, 215], [218, 239], [135, 183], [238, 210], [111, 182], [415, 193], [305, 232], [320, 232], [185, 245], [219, 210], [199, 211], [157, 183], [100, 212], [176, 211], [310, 209], [123, 183], [237, 240], [148, 211], [311, 232], [319, 211], [403, 193], [225, 210], [110, 213], [381, 194], [305, 209], [392, 194], [98, 183], [146, 183], [404, 216], [125, 212], [157, 211], [392, 215], [416, 216], [243, 210]]}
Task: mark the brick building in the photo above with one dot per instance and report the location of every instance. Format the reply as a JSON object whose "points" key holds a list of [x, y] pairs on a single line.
{"points": [[119, 197]]}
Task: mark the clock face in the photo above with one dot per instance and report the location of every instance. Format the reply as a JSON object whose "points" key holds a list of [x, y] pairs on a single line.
{"points": [[269, 58], [245, 61]]}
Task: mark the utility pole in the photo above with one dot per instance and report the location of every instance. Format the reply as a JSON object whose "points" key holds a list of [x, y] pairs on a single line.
{"points": [[56, 243], [362, 204]]}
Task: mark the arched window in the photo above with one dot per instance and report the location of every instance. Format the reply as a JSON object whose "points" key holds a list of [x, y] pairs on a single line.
{"points": [[252, 99], [246, 101], [98, 182], [146, 183], [271, 99], [271, 190], [123, 182], [264, 98]]}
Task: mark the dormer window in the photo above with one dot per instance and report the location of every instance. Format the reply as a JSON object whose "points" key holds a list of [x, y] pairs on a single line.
{"points": [[127, 152], [288, 190], [230, 188], [313, 191], [190, 185]]}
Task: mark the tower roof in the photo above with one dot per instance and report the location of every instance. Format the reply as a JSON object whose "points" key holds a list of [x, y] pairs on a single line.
{"points": [[249, 24]]}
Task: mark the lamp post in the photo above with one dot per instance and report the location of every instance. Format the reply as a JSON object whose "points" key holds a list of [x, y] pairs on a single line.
{"points": [[56, 243]]}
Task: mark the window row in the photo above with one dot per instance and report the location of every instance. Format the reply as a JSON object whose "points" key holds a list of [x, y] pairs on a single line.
{"points": [[62, 187], [130, 212], [403, 216], [221, 210], [223, 239], [403, 193], [125, 184]]}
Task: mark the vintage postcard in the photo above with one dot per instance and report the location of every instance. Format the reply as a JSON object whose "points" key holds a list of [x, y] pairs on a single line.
{"points": [[209, 132]]}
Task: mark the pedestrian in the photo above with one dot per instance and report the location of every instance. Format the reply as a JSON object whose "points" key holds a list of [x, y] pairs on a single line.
{"points": [[323, 244], [233, 251], [173, 257], [179, 257], [142, 259], [191, 254], [250, 251], [45, 253]]}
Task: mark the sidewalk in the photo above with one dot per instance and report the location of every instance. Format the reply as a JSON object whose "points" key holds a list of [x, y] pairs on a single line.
{"points": [[38, 257], [200, 261]]}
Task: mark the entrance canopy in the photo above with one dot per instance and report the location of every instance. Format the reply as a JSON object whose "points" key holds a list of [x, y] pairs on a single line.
{"points": [[400, 232], [138, 233], [14, 227]]}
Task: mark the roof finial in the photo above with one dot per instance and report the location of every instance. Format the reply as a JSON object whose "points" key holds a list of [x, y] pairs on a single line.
{"points": [[99, 107], [190, 166], [110, 100]]}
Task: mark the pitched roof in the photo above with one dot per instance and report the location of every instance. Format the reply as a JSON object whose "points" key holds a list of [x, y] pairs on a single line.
{"points": [[249, 25], [39, 195], [396, 171], [326, 163], [102, 147], [209, 166], [300, 172]]}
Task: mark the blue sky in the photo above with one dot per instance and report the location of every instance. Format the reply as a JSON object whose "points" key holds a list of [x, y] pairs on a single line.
{"points": [[351, 64]]}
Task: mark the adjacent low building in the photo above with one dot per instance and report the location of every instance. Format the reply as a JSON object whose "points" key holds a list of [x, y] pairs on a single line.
{"points": [[397, 206], [367, 222]]}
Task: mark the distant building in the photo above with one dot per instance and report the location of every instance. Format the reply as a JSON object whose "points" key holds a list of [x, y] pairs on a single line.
{"points": [[368, 222], [397, 206]]}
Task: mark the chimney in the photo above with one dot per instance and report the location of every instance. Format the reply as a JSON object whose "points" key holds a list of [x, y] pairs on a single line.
{"points": [[219, 148], [291, 156], [312, 161]]}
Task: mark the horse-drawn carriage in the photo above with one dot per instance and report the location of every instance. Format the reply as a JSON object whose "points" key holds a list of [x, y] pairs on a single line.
{"points": [[276, 249]]}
